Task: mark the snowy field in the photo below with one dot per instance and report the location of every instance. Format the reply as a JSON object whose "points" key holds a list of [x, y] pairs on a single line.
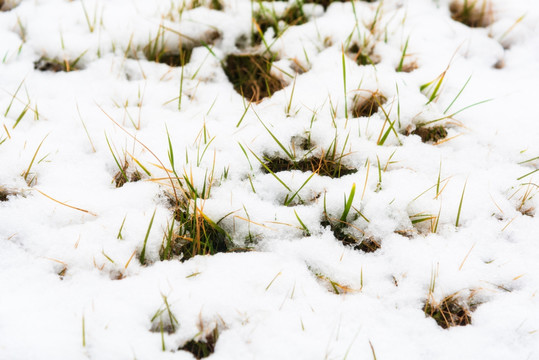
{"points": [[370, 196]]}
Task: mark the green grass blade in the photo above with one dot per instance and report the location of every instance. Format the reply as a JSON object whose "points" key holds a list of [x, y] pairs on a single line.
{"points": [[275, 138], [348, 203], [142, 256], [270, 171], [460, 204]]}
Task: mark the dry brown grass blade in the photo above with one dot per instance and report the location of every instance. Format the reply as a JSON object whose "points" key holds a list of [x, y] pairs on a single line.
{"points": [[64, 204]]}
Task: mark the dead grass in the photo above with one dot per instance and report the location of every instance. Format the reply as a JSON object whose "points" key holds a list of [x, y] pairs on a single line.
{"points": [[250, 74], [473, 13], [453, 310]]}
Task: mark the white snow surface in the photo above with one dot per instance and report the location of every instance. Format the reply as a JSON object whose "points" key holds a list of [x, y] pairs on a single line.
{"points": [[72, 286]]}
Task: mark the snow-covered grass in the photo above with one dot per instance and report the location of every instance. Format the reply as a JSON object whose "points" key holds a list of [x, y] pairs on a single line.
{"points": [[370, 196]]}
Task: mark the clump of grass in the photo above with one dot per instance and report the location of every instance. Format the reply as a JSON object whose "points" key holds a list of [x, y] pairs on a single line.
{"points": [[325, 165], [126, 171], [7, 5], [180, 55], [5, 193], [326, 3], [126, 174], [357, 242], [328, 163], [56, 65], [203, 347], [523, 201], [294, 14], [250, 74], [474, 13], [345, 232], [196, 234], [363, 54], [156, 51], [404, 64], [211, 4], [452, 310], [264, 19], [431, 133], [367, 105], [164, 319]]}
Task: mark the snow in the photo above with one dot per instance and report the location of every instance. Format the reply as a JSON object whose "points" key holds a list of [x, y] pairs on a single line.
{"points": [[70, 241]]}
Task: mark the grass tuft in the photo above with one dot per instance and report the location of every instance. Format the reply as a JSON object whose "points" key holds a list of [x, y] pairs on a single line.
{"points": [[452, 310], [473, 13], [326, 165], [56, 65], [203, 347], [126, 174]]}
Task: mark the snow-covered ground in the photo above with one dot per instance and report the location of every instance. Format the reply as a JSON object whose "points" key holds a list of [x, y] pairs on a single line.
{"points": [[84, 268]]}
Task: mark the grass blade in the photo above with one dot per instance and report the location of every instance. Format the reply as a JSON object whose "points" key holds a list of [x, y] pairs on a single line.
{"points": [[142, 256]]}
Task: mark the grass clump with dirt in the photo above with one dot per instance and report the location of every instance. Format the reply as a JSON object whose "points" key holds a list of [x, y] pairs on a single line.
{"points": [[179, 55], [126, 174], [363, 55], [325, 165], [367, 105], [204, 347], [343, 233], [452, 310], [6, 193], [347, 233], [250, 74], [473, 13], [191, 232], [7, 5], [431, 133], [56, 65]]}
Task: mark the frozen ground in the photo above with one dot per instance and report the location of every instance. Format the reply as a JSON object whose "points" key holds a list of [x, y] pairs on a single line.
{"points": [[453, 217]]}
